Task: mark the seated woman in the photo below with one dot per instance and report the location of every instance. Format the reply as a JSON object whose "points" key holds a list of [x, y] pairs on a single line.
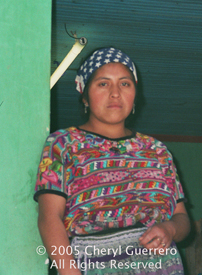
{"points": [[111, 193]]}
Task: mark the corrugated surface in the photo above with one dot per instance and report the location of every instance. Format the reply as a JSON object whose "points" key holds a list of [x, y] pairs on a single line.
{"points": [[164, 39]]}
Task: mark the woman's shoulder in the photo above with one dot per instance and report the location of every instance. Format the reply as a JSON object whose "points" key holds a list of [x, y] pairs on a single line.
{"points": [[63, 134], [149, 140]]}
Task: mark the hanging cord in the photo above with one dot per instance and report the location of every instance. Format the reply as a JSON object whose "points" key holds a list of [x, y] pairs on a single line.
{"points": [[82, 40]]}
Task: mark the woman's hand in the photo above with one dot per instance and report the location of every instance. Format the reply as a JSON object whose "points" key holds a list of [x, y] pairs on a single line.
{"points": [[161, 235], [158, 236]]}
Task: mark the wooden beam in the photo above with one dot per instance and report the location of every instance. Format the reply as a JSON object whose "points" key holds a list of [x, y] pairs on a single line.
{"points": [[178, 138]]}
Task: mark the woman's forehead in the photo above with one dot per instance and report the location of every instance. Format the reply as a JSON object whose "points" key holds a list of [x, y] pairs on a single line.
{"points": [[113, 70]]}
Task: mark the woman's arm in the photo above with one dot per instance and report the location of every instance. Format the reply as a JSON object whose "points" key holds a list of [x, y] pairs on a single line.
{"points": [[162, 234], [52, 230]]}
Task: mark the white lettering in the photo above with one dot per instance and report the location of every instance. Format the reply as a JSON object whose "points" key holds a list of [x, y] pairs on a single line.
{"points": [[102, 265], [173, 249], [120, 265], [54, 264], [76, 251], [144, 251], [127, 265], [144, 265], [158, 265], [114, 251], [161, 251], [113, 264], [103, 251], [72, 264], [83, 266], [96, 250], [151, 265], [87, 249], [133, 265], [127, 250]]}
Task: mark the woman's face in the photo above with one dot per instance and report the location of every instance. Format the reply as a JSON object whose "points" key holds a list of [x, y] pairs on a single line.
{"points": [[111, 94]]}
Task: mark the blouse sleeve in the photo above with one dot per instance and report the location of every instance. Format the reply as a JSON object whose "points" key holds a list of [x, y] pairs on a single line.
{"points": [[169, 169], [51, 176]]}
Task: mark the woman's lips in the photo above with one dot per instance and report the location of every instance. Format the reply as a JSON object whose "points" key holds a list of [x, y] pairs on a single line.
{"points": [[114, 106]]}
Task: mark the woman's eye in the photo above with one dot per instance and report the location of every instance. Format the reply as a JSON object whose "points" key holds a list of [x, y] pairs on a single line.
{"points": [[125, 84], [102, 84]]}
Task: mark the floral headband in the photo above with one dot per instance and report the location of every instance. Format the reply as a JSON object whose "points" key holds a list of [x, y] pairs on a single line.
{"points": [[97, 60]]}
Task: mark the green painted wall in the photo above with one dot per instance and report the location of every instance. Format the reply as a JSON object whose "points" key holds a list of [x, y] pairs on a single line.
{"points": [[188, 159], [24, 111]]}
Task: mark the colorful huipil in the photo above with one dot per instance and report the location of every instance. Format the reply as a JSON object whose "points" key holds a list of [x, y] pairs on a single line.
{"points": [[108, 183]]}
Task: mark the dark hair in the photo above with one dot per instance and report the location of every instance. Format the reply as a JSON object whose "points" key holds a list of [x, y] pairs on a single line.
{"points": [[85, 96]]}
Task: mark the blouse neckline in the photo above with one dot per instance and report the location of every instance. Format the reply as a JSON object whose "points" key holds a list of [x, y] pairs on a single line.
{"points": [[133, 135]]}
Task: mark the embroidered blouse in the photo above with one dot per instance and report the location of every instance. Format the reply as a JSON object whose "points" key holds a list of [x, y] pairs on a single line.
{"points": [[108, 183]]}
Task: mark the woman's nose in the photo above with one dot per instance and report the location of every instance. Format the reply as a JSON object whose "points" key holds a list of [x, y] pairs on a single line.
{"points": [[115, 91]]}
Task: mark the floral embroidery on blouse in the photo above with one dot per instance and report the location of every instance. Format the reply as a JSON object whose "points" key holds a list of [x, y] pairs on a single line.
{"points": [[108, 183]]}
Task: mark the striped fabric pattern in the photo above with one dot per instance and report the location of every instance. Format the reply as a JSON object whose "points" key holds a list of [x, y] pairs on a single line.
{"points": [[108, 183]]}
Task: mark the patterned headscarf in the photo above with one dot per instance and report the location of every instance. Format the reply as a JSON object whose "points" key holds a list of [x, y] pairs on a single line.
{"points": [[98, 59]]}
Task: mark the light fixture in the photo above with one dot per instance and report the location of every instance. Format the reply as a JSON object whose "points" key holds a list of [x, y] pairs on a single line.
{"points": [[75, 50]]}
